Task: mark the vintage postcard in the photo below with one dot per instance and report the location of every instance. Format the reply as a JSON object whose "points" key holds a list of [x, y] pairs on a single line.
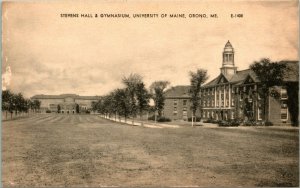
{"points": [[127, 93]]}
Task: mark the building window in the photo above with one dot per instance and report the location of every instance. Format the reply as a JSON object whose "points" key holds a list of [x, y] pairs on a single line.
{"points": [[232, 102], [175, 113], [232, 115], [284, 114], [283, 93], [184, 102], [283, 104], [284, 110], [241, 97], [175, 102], [259, 113]]}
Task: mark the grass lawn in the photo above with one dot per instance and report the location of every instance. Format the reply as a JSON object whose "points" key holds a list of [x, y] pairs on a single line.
{"points": [[86, 150]]}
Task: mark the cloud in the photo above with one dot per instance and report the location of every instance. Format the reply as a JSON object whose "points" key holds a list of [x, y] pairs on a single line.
{"points": [[51, 55], [6, 78]]}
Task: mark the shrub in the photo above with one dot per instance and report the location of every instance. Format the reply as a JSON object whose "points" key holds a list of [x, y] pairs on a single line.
{"points": [[235, 122], [216, 121], [195, 119], [249, 123], [163, 119], [159, 119], [208, 121], [151, 118], [48, 111], [229, 123], [224, 124], [268, 123], [260, 123]]}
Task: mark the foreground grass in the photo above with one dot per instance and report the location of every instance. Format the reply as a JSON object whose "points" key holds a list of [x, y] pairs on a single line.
{"points": [[85, 150]]}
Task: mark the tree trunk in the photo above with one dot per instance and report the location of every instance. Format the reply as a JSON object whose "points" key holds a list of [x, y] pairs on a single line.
{"points": [[132, 120], [147, 116], [193, 119], [142, 124]]}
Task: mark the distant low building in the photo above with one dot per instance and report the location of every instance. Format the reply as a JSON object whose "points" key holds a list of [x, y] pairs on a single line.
{"points": [[65, 103]]}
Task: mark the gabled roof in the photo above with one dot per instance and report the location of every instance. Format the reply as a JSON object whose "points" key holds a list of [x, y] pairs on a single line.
{"points": [[213, 82], [292, 75], [248, 79], [177, 92], [62, 96], [237, 78]]}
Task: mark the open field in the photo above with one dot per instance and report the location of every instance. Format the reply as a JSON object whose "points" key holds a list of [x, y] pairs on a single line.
{"points": [[86, 150]]}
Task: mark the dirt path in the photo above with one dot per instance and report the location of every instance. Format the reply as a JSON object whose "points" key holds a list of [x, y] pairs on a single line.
{"points": [[85, 150]]}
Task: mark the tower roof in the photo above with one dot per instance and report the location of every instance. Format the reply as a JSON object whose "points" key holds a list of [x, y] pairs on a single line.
{"points": [[228, 45]]}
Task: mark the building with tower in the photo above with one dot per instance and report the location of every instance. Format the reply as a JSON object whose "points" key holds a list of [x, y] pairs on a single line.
{"points": [[234, 95]]}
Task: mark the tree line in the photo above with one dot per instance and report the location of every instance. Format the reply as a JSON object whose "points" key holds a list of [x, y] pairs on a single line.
{"points": [[16, 103], [133, 99]]}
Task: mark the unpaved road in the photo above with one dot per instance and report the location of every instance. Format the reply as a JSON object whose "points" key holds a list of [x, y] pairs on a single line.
{"points": [[86, 150]]}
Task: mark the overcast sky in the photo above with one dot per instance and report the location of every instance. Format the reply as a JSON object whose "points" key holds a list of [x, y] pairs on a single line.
{"points": [[48, 54]]}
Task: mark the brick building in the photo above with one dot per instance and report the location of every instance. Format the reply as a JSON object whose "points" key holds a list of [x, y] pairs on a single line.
{"points": [[234, 94], [178, 104], [67, 102]]}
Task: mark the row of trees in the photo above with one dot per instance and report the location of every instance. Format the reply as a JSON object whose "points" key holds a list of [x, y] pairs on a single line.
{"points": [[133, 100], [12, 102]]}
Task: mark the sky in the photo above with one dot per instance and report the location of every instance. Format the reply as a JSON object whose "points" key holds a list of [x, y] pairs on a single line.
{"points": [[44, 53]]}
